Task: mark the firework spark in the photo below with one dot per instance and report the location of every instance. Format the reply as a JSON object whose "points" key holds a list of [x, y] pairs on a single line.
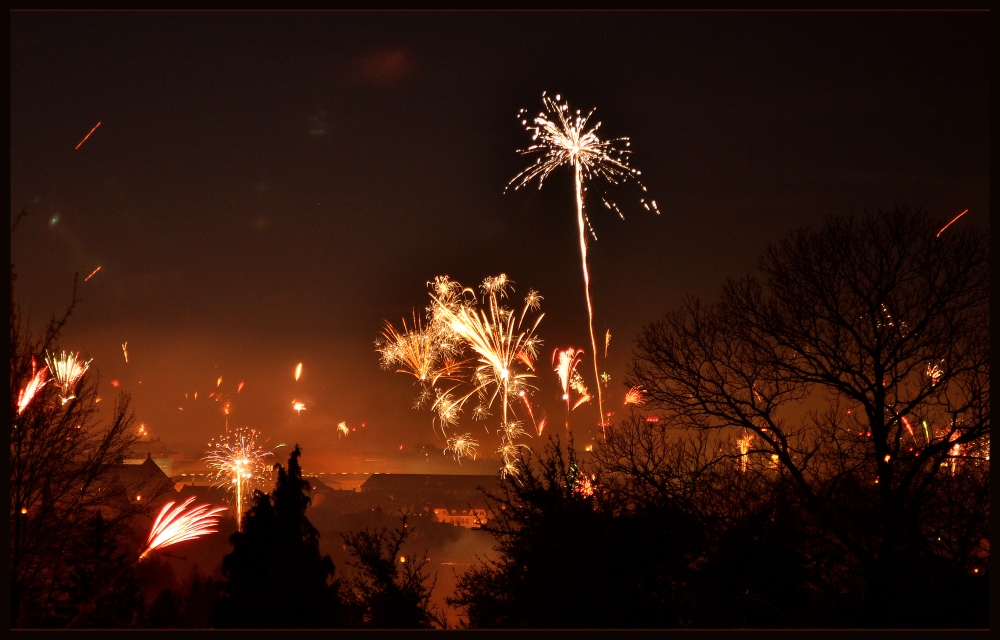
{"points": [[125, 351], [66, 370], [342, 428], [607, 342], [298, 371], [80, 144], [950, 223], [238, 464], [462, 446], [743, 444], [92, 273], [561, 137], [298, 407], [634, 396], [935, 372], [32, 387], [173, 526]]}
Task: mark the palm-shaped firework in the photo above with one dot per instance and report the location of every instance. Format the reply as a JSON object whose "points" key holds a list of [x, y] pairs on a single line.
{"points": [[560, 137], [238, 464]]}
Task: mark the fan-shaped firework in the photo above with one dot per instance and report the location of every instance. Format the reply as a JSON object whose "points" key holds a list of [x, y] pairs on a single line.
{"points": [[175, 525], [32, 387], [66, 370], [560, 137], [238, 464]]}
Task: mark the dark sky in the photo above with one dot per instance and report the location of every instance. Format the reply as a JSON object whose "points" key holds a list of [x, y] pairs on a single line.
{"points": [[267, 188]]}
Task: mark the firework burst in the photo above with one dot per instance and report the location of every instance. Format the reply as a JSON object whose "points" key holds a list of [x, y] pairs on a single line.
{"points": [[561, 137], [177, 525], [475, 342], [66, 370], [634, 396], [239, 465], [462, 446]]}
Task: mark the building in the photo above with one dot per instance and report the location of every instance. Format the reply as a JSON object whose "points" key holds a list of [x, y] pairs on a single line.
{"points": [[455, 499]]}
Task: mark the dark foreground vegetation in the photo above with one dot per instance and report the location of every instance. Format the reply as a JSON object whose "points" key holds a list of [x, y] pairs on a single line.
{"points": [[812, 452]]}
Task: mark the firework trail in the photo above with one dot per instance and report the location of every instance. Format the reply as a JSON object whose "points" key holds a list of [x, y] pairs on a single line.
{"points": [[125, 351], [66, 370], [607, 342], [92, 273], [32, 387], [238, 464], [173, 526], [89, 133], [938, 235], [298, 371], [560, 137]]}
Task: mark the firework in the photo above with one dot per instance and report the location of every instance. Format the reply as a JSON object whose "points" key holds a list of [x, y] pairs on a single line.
{"points": [[80, 144], [32, 387], [950, 223], [634, 396], [566, 361], [342, 428], [125, 351], [561, 137], [743, 444], [460, 446], [934, 372], [238, 464], [298, 371], [298, 407], [607, 342], [92, 273], [418, 352], [482, 347], [66, 370], [173, 526]]}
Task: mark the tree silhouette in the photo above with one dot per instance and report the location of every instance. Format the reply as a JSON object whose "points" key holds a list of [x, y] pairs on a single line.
{"points": [[571, 556], [275, 577], [62, 459], [858, 362], [100, 566], [387, 589]]}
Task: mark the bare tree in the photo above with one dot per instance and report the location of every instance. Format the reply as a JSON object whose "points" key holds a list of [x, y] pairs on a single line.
{"points": [[62, 462], [386, 588], [857, 364]]}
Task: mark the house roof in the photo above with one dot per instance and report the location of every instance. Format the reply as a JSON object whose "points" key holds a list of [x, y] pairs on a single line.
{"points": [[425, 483]]}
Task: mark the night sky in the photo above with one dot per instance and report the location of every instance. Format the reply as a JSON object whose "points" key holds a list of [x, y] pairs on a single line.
{"points": [[267, 188]]}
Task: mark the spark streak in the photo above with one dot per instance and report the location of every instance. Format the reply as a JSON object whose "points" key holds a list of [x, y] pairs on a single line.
{"points": [[86, 136], [125, 350], [298, 371], [92, 273], [950, 223], [37, 381]]}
